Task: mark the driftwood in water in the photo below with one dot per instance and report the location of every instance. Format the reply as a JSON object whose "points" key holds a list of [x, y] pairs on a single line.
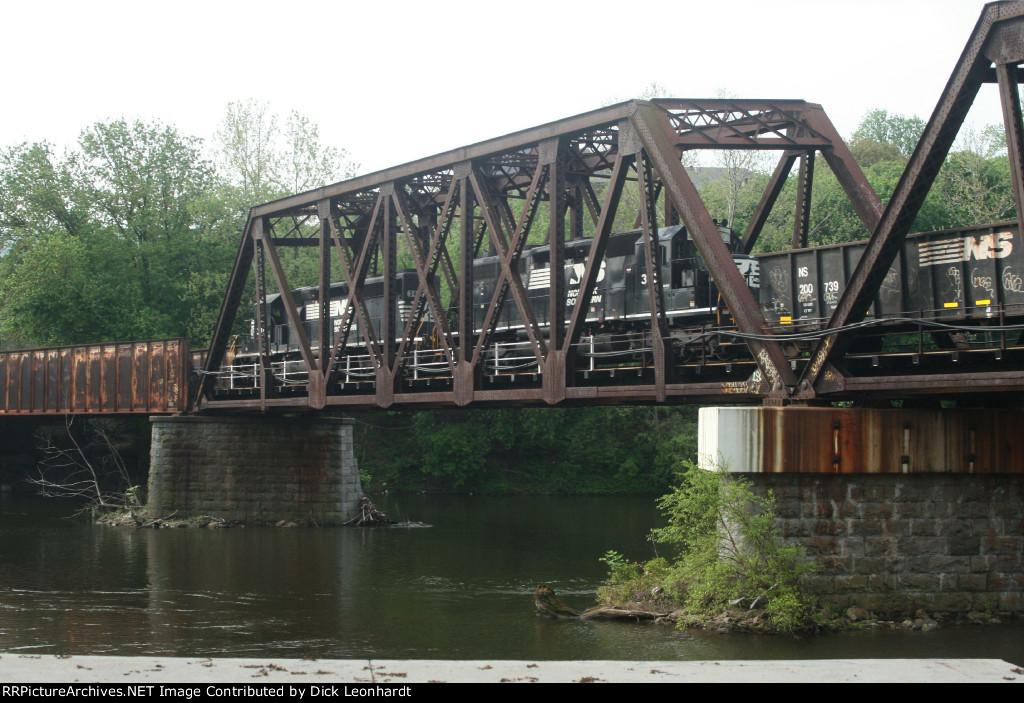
{"points": [[369, 515], [603, 612], [549, 604]]}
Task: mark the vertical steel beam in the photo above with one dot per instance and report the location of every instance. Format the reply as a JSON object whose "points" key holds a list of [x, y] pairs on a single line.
{"points": [[660, 339], [553, 155], [802, 216], [266, 378], [388, 324], [465, 373], [465, 273], [325, 336]]}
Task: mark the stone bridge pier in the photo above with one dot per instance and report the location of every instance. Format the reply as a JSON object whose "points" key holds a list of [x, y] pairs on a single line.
{"points": [[901, 509], [254, 469]]}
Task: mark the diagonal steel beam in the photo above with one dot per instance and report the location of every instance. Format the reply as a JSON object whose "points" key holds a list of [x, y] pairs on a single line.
{"points": [[355, 276], [847, 171], [426, 293], [1009, 97], [887, 239], [228, 312], [606, 219], [508, 255], [656, 134], [288, 300], [768, 198]]}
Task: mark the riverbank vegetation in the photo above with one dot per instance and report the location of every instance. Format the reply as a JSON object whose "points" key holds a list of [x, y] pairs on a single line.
{"points": [[726, 563]]}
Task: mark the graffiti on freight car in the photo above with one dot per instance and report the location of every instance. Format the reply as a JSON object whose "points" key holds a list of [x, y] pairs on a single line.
{"points": [[1012, 282], [779, 279], [890, 288], [953, 274], [983, 283]]}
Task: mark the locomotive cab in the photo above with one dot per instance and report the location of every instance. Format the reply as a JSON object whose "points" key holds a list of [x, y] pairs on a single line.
{"points": [[686, 281]]}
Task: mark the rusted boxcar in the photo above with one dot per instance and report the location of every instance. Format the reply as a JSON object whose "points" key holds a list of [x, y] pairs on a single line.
{"points": [[115, 378]]}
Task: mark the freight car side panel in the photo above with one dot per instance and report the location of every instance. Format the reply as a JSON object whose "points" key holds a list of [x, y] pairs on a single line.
{"points": [[955, 274]]}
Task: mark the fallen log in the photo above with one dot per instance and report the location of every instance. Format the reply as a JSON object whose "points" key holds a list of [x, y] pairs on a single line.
{"points": [[549, 604], [603, 612]]}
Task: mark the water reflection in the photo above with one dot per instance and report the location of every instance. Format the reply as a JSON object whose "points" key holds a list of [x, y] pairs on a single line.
{"points": [[461, 589]]}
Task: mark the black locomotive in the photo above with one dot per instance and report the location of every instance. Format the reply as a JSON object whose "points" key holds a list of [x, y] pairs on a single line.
{"points": [[619, 303]]}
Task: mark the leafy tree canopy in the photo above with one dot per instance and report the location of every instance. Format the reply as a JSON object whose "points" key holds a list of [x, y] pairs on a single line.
{"points": [[897, 131]]}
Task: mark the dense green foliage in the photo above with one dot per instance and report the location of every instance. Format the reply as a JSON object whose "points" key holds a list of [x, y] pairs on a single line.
{"points": [[526, 450], [132, 234], [729, 555], [731, 551]]}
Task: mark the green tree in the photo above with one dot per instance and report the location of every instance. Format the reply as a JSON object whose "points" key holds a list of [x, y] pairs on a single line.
{"points": [[974, 184], [264, 157], [267, 158], [101, 242], [879, 127], [731, 550]]}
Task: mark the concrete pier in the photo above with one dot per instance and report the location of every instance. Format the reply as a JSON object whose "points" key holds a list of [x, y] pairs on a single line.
{"points": [[901, 509], [254, 470]]}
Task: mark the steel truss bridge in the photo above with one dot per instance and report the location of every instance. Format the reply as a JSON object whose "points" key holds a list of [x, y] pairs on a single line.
{"points": [[441, 212], [558, 182]]}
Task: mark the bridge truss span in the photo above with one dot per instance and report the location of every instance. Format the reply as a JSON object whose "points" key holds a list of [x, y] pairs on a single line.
{"points": [[485, 274]]}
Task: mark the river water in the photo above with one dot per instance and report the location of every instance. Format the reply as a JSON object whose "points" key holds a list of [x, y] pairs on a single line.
{"points": [[461, 589]]}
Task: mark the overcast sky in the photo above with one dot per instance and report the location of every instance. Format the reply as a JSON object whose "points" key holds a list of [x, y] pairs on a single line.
{"points": [[393, 81]]}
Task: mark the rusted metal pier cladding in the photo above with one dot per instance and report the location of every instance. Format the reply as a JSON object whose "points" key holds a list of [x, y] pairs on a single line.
{"points": [[835, 440], [381, 337], [119, 378]]}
